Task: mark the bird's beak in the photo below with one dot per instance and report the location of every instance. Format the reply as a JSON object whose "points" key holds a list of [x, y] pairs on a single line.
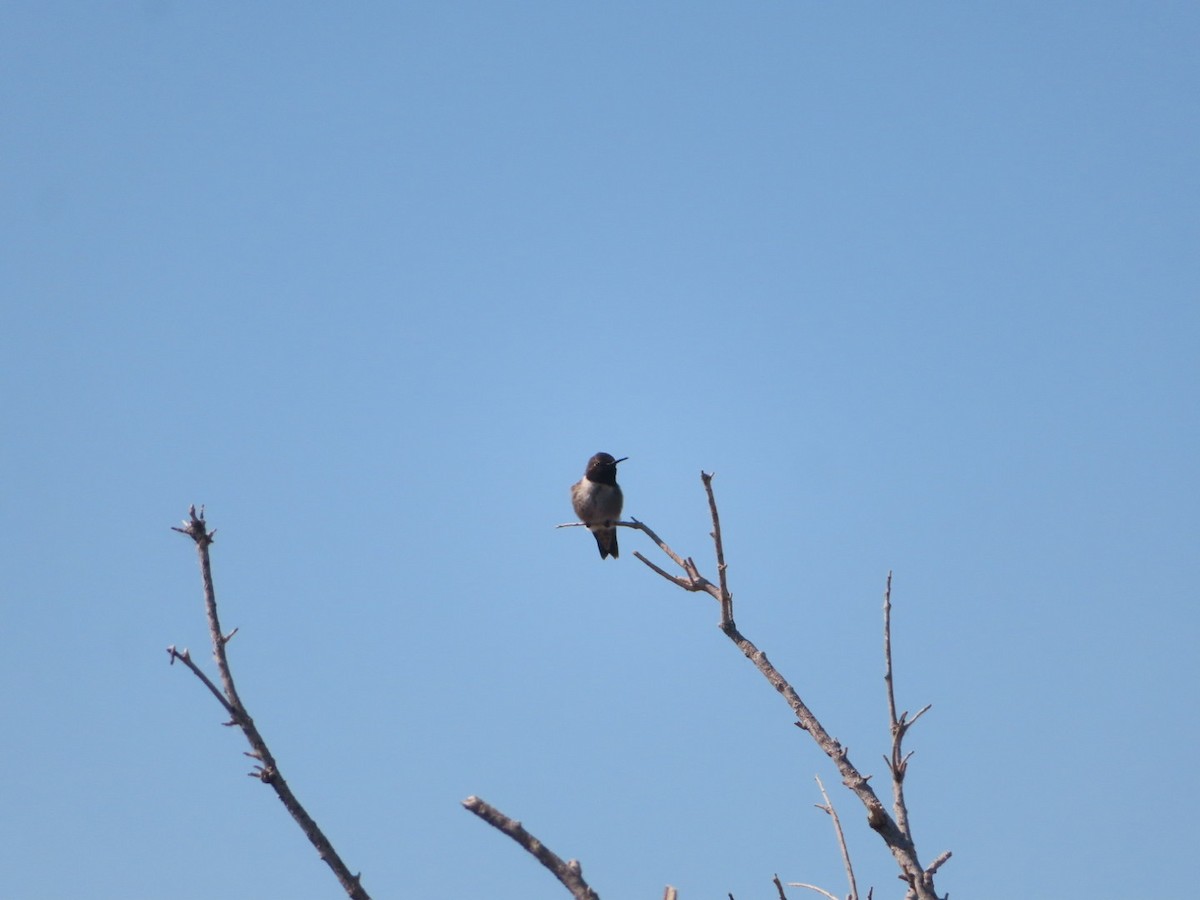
{"points": [[621, 460]]}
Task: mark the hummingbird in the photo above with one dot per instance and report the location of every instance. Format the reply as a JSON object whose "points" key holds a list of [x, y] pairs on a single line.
{"points": [[597, 500]]}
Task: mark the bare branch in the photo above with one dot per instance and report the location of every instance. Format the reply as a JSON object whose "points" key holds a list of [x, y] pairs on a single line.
{"points": [[939, 862], [692, 581], [924, 709], [670, 893], [813, 887], [897, 839], [265, 770], [678, 580], [899, 724], [779, 888], [841, 838], [662, 545], [570, 873], [630, 524], [725, 597], [186, 658]]}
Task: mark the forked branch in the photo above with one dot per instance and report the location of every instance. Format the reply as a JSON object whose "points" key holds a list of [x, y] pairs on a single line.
{"points": [[265, 768], [894, 831], [897, 763]]}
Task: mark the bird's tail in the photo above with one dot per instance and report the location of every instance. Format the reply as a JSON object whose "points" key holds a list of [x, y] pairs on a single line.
{"points": [[606, 540]]}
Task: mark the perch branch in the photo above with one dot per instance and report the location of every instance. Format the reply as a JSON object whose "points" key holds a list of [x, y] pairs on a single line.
{"points": [[898, 841], [702, 583], [570, 873], [265, 769]]}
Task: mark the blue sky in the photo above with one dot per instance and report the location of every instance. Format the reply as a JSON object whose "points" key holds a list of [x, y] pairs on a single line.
{"points": [[919, 282]]}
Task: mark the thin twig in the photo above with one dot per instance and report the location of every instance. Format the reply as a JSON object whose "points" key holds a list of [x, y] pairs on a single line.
{"points": [[841, 838], [265, 770], [185, 657], [779, 888], [726, 598], [899, 724], [898, 841], [943, 857], [662, 545], [813, 887], [684, 583], [887, 653], [570, 873]]}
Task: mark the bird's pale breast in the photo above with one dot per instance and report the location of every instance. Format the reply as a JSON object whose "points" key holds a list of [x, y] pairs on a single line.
{"points": [[595, 502]]}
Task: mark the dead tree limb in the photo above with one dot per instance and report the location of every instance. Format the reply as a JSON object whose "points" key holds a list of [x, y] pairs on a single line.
{"points": [[569, 872], [894, 831], [265, 768]]}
